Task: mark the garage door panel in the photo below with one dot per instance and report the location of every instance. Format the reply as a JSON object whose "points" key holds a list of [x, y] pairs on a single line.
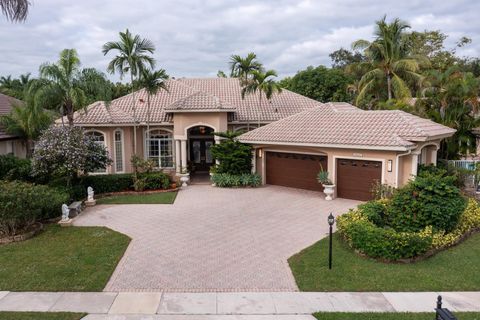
{"points": [[294, 170], [355, 178]]}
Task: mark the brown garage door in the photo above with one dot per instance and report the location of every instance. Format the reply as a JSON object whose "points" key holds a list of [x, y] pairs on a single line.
{"points": [[355, 178], [294, 170]]}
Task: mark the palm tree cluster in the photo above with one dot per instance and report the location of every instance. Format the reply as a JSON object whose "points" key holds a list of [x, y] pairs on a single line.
{"points": [[254, 79], [15, 10], [394, 70], [133, 57]]}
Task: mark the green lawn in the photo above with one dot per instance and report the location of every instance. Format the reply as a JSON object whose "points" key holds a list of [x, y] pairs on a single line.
{"points": [[40, 316], [152, 198], [62, 259], [392, 316], [455, 269]]}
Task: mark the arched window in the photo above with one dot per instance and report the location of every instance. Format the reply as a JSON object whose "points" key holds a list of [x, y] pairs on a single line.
{"points": [[118, 139], [99, 138], [159, 147]]}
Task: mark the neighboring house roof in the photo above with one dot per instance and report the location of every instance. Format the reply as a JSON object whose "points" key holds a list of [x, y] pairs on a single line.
{"points": [[6, 103], [343, 125], [217, 94]]}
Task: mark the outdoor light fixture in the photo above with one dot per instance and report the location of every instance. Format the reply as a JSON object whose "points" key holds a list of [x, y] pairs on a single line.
{"points": [[260, 153], [202, 130], [389, 165], [331, 221]]}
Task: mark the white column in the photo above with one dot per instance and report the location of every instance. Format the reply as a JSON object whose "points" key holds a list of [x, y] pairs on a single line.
{"points": [[433, 156], [254, 161], [217, 140], [177, 156], [414, 163], [184, 153]]}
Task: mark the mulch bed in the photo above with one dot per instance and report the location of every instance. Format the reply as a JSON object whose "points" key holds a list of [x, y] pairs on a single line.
{"points": [[30, 232]]}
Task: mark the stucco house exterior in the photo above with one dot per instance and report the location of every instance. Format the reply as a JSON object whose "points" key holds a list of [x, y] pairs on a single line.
{"points": [[296, 135], [10, 144]]}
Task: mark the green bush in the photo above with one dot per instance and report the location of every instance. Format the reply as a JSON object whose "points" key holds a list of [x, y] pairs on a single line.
{"points": [[383, 243], [105, 183], [21, 204], [13, 168], [374, 211], [235, 158], [225, 180], [431, 199], [156, 180]]}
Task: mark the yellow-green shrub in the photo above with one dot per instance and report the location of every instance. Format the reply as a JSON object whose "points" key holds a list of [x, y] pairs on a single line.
{"points": [[468, 221]]}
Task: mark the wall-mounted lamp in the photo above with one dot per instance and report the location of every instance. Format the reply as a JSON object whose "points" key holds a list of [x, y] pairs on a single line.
{"points": [[260, 153], [389, 165]]}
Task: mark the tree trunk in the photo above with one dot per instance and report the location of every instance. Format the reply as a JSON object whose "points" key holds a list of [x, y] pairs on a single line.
{"points": [[134, 117], [69, 112], [148, 112], [28, 146], [389, 85]]}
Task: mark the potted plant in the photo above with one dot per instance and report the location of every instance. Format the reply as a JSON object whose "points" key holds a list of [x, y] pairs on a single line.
{"points": [[213, 171], [328, 186], [184, 176]]}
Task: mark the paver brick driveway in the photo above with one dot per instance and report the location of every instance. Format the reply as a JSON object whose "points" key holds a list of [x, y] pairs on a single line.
{"points": [[214, 239]]}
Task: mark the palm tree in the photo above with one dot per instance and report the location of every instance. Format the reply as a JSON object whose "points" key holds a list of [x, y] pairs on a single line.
{"points": [[27, 121], [152, 81], [61, 87], [132, 57], [264, 84], [390, 61], [243, 67], [15, 87], [15, 10]]}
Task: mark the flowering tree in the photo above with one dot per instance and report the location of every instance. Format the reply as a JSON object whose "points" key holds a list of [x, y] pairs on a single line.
{"points": [[66, 151]]}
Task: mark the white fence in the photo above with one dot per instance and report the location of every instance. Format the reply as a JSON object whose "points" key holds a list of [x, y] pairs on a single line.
{"points": [[467, 165]]}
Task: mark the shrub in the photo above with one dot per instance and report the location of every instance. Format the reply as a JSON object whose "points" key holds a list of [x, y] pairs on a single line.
{"points": [[21, 204], [105, 183], [430, 200], [235, 157], [156, 180], [469, 220], [13, 168], [225, 180], [384, 243], [374, 211], [66, 151]]}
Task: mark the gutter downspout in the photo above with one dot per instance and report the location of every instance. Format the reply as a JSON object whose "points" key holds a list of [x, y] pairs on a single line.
{"points": [[398, 165]]}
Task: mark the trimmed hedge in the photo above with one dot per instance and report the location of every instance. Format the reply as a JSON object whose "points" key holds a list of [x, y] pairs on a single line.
{"points": [[22, 204], [108, 183], [13, 168], [384, 243], [225, 180]]}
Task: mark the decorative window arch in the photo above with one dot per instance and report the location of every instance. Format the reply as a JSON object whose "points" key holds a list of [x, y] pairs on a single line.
{"points": [[98, 137], [159, 147], [118, 150]]}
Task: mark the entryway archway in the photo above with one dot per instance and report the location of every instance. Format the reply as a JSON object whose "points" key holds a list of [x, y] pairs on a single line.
{"points": [[200, 140]]}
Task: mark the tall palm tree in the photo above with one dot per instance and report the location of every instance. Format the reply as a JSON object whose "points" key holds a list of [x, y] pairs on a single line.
{"points": [[242, 67], [390, 61], [132, 57], [152, 81], [60, 85], [27, 121], [263, 84], [15, 10]]}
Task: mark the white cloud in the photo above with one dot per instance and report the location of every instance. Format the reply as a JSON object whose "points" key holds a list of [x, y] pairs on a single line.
{"points": [[196, 37]]}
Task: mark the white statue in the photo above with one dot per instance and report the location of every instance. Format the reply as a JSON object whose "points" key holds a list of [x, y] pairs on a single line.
{"points": [[90, 194], [65, 212]]}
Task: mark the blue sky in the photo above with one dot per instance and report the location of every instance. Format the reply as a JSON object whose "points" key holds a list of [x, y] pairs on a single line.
{"points": [[195, 38]]}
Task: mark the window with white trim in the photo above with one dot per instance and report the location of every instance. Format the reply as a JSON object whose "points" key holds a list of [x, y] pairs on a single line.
{"points": [[118, 139], [99, 138], [159, 146]]}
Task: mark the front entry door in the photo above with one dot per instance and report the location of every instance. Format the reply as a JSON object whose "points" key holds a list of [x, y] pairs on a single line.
{"points": [[200, 154]]}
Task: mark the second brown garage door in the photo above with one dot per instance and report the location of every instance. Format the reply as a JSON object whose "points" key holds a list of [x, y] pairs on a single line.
{"points": [[355, 178], [294, 170]]}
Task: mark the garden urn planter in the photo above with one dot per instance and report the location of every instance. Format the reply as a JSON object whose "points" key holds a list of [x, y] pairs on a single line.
{"points": [[184, 178], [329, 190]]}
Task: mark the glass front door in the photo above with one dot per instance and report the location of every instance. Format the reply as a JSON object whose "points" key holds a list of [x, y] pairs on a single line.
{"points": [[200, 155]]}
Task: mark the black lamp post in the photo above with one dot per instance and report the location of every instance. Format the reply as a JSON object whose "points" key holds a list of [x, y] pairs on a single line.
{"points": [[331, 221]]}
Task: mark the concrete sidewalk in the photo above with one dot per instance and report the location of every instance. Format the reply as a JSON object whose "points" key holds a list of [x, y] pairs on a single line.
{"points": [[219, 305]]}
